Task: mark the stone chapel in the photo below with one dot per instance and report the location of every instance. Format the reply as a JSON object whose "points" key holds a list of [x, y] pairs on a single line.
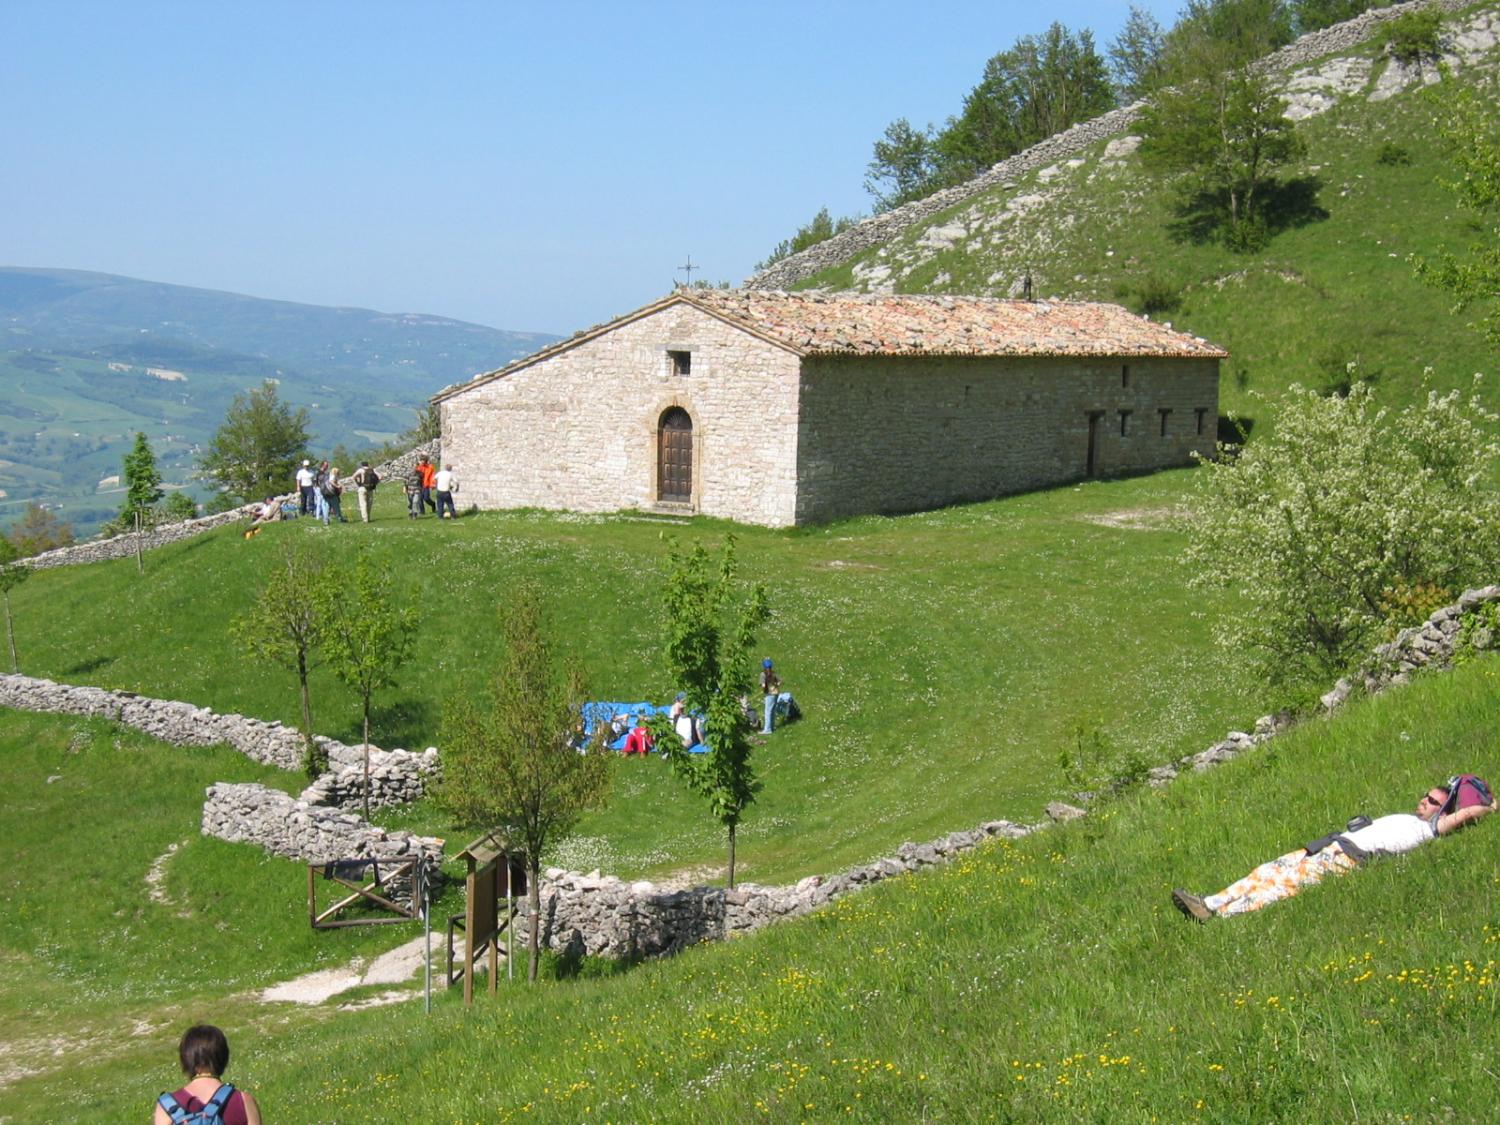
{"points": [[791, 408]]}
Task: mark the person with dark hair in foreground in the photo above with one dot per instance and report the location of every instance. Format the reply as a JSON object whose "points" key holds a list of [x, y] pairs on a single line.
{"points": [[204, 1053], [1441, 810]]}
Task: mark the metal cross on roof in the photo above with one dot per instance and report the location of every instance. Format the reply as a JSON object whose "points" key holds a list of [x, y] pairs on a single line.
{"points": [[689, 268]]}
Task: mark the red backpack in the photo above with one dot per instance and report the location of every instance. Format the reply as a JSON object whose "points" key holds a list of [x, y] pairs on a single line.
{"points": [[1464, 791]]}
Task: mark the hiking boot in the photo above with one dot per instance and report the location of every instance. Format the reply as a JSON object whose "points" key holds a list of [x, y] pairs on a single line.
{"points": [[1191, 905]]}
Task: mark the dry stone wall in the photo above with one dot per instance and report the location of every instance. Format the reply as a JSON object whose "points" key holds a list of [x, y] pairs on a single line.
{"points": [[396, 776], [880, 229]]}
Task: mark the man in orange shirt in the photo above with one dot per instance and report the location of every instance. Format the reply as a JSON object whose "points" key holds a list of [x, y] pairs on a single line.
{"points": [[429, 474]]}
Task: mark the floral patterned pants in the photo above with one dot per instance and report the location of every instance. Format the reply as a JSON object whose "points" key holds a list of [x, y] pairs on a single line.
{"points": [[1281, 878]]}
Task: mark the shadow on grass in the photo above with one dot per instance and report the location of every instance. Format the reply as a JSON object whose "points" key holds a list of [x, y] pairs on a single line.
{"points": [[1203, 216], [84, 667], [410, 723]]}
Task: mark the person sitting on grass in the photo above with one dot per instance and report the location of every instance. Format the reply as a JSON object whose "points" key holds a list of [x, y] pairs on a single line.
{"points": [[639, 740], [1441, 810], [269, 512], [204, 1054]]}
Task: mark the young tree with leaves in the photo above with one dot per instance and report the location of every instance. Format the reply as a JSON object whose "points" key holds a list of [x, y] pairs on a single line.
{"points": [[12, 574], [1470, 124], [710, 629], [1135, 56], [367, 635], [142, 491], [509, 759], [285, 627], [254, 453], [903, 166], [822, 227], [1330, 524]]}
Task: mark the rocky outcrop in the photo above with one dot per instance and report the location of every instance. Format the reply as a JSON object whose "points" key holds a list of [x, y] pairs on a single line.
{"points": [[881, 229]]}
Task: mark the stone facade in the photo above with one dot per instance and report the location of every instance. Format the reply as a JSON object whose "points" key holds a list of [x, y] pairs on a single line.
{"points": [[875, 437], [810, 408], [579, 429]]}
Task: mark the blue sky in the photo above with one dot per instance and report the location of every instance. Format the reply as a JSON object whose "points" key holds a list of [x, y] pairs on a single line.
{"points": [[537, 167]]}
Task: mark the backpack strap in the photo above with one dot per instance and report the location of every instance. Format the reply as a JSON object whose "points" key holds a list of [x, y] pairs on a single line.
{"points": [[172, 1107], [213, 1109]]}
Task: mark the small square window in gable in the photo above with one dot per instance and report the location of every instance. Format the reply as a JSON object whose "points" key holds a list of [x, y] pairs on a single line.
{"points": [[679, 362]]}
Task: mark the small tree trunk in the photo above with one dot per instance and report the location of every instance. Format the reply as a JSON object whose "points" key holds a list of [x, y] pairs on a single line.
{"points": [[140, 567], [534, 900], [307, 732], [731, 857], [367, 754], [10, 635]]}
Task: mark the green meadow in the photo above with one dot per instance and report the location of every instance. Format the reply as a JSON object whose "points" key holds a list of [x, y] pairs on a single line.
{"points": [[944, 661], [1047, 978]]}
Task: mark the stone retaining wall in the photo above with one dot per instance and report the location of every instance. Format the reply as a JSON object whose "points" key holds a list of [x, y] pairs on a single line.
{"points": [[396, 776], [882, 228]]}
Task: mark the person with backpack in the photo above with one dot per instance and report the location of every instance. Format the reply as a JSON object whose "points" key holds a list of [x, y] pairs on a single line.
{"points": [[365, 480], [321, 492], [205, 1098], [414, 492], [1442, 810]]}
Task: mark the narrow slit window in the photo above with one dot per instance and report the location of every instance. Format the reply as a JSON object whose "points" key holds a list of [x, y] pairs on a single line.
{"points": [[681, 362], [1163, 413], [1125, 375], [1124, 423], [1201, 412]]}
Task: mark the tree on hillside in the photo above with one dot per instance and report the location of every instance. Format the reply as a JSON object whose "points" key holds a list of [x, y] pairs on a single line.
{"points": [[822, 227], [180, 506], [367, 636], [1135, 56], [1313, 15], [1223, 129], [1470, 124], [38, 530], [902, 168], [1344, 518], [12, 574], [285, 627], [142, 491], [1227, 33], [710, 627], [509, 762], [254, 453]]}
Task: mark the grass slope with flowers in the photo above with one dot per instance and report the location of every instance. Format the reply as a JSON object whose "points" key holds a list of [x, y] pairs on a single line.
{"points": [[1042, 979]]}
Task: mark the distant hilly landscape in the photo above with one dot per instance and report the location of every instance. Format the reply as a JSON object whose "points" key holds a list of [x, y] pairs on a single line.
{"points": [[88, 359]]}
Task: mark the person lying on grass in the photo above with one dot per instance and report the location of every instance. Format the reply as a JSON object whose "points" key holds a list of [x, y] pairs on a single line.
{"points": [[1441, 810]]}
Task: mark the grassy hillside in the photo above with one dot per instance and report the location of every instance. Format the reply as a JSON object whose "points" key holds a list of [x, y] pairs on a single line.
{"points": [[88, 359], [1041, 979], [944, 661], [1334, 285]]}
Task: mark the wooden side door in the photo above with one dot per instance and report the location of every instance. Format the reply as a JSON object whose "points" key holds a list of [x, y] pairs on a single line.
{"points": [[674, 457]]}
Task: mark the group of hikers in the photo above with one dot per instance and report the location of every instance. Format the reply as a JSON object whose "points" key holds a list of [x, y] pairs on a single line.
{"points": [[320, 491]]}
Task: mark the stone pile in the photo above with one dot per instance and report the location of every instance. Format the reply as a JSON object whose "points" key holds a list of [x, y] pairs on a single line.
{"points": [[397, 777], [294, 829], [883, 228]]}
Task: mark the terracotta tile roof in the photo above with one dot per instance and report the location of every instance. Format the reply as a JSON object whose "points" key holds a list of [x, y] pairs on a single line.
{"points": [[873, 324], [815, 323]]}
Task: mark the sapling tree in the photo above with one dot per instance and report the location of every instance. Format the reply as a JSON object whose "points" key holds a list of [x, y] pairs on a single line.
{"points": [[710, 623], [285, 627], [12, 574], [142, 491], [510, 762], [367, 635], [1343, 516]]}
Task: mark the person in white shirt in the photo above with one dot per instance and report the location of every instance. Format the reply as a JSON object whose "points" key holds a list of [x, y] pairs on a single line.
{"points": [[446, 484], [305, 487], [1333, 855]]}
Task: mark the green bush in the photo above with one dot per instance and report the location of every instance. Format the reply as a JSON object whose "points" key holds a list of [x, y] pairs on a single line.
{"points": [[1390, 154], [1413, 35]]}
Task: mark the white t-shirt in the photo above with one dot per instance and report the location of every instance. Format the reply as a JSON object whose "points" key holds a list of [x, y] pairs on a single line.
{"points": [[1392, 835], [445, 480], [304, 477]]}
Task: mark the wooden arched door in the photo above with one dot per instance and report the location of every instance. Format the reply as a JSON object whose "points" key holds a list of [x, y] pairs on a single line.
{"points": [[674, 457]]}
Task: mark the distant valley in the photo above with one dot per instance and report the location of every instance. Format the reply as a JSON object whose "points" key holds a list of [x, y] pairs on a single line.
{"points": [[89, 359]]}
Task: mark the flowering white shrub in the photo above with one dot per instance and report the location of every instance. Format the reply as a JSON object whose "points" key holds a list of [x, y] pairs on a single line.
{"points": [[1326, 525]]}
